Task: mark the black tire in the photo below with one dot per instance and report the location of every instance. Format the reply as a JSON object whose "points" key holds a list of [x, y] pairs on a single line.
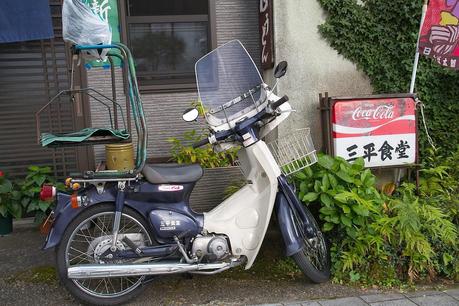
{"points": [[69, 284], [319, 272]]}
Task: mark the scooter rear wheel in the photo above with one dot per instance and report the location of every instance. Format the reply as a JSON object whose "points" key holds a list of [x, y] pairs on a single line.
{"points": [[314, 258], [84, 239]]}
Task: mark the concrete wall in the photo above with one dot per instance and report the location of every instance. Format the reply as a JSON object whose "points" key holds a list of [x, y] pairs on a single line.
{"points": [[314, 67], [235, 19]]}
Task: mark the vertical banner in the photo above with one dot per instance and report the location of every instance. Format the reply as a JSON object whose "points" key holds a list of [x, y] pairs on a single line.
{"points": [[265, 20], [379, 129], [107, 10], [440, 33]]}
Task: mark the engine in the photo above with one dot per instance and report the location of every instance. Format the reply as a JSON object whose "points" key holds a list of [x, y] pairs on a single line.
{"points": [[210, 247]]}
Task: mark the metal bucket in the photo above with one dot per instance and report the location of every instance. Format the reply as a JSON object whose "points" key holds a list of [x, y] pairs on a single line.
{"points": [[119, 156]]}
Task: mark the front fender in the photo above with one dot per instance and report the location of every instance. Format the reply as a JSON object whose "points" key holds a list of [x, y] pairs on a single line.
{"points": [[293, 243], [64, 213]]}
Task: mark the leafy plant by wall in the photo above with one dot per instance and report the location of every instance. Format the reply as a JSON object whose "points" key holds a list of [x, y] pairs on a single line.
{"points": [[382, 239], [380, 38], [18, 198], [183, 152]]}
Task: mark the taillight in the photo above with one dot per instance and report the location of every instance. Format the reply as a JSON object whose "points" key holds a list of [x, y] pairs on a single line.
{"points": [[47, 193]]}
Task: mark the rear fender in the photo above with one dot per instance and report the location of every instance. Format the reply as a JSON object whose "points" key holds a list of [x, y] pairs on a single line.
{"points": [[64, 213]]}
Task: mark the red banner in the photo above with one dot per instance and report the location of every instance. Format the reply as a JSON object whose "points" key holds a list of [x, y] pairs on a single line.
{"points": [[440, 33]]}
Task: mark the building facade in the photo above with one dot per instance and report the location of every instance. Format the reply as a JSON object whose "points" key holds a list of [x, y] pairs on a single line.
{"points": [[166, 39]]}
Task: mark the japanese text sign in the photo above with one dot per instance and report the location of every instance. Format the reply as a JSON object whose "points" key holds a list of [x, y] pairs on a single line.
{"points": [[381, 130], [266, 33]]}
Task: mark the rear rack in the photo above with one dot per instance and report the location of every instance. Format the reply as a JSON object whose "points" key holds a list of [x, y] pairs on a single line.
{"points": [[105, 135]]}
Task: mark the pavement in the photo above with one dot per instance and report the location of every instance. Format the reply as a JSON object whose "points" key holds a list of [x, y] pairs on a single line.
{"points": [[27, 277], [448, 297]]}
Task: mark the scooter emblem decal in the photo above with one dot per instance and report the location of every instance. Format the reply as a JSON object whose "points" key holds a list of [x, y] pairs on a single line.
{"points": [[169, 225], [170, 187]]}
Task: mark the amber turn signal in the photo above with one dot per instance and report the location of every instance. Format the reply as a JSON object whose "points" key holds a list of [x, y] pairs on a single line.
{"points": [[75, 200]]}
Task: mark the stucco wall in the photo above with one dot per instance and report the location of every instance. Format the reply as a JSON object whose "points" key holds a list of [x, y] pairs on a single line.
{"points": [[235, 19], [314, 67]]}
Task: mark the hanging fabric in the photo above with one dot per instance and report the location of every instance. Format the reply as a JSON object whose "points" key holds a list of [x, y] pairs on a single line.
{"points": [[440, 33], [25, 20]]}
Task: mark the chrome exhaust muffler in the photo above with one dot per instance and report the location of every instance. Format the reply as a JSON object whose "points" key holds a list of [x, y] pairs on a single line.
{"points": [[119, 270]]}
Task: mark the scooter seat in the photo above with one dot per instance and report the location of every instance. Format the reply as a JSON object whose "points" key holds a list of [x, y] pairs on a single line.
{"points": [[172, 173]]}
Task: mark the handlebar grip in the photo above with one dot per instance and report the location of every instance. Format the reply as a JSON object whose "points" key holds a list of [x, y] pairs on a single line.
{"points": [[279, 102], [200, 143]]}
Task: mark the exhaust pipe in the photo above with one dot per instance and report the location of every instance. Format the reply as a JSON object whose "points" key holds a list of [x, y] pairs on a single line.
{"points": [[119, 270]]}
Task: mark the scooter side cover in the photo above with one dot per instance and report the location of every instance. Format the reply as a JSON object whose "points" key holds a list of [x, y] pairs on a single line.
{"points": [[167, 224]]}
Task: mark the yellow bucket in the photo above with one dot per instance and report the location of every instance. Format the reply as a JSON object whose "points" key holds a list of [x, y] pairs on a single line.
{"points": [[119, 156]]}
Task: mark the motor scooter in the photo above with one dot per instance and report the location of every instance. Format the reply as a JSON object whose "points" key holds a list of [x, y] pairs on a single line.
{"points": [[116, 232]]}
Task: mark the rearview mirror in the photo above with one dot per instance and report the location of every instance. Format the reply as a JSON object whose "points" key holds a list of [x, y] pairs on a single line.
{"points": [[190, 114], [281, 69]]}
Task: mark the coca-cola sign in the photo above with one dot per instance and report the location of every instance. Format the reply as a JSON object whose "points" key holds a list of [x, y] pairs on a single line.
{"points": [[381, 130], [380, 112]]}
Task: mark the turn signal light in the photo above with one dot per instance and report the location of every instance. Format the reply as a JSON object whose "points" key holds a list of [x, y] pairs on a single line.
{"points": [[47, 193], [75, 201]]}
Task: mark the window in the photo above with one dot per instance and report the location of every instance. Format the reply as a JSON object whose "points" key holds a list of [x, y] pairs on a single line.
{"points": [[166, 38]]}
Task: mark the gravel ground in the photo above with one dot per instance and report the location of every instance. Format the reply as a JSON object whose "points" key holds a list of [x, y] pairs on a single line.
{"points": [[27, 278]]}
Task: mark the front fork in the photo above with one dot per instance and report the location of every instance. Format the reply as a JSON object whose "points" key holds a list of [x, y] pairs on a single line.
{"points": [[119, 204]]}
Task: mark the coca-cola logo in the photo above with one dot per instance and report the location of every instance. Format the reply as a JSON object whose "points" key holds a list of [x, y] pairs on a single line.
{"points": [[378, 113]]}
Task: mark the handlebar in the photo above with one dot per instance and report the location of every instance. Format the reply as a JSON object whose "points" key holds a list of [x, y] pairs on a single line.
{"points": [[222, 135], [279, 102]]}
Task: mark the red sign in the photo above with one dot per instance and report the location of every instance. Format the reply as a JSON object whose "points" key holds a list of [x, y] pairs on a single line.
{"points": [[266, 33], [381, 130], [440, 32]]}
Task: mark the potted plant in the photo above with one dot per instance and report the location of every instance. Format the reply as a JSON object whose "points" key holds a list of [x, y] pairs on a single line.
{"points": [[9, 205]]}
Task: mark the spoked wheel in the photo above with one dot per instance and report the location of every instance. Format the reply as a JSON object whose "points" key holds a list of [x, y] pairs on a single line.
{"points": [[86, 239], [314, 258]]}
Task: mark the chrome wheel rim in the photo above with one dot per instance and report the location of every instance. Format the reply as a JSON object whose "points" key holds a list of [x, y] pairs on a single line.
{"points": [[89, 240], [315, 248]]}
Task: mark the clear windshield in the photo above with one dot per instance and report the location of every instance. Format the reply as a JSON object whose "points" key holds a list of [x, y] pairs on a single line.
{"points": [[229, 83]]}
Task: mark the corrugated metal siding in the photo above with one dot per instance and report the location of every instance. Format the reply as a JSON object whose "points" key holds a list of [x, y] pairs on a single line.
{"points": [[210, 189], [30, 74], [235, 19], [238, 19]]}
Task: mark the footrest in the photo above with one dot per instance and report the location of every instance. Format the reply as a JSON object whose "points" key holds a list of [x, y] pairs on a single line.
{"points": [[84, 137]]}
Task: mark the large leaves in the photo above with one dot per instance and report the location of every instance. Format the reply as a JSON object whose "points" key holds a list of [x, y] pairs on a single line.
{"points": [[6, 186], [326, 161], [310, 197]]}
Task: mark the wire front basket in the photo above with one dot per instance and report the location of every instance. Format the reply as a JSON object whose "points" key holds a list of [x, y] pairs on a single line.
{"points": [[294, 152]]}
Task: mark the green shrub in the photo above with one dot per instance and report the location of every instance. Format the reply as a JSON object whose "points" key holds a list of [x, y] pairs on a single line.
{"points": [[23, 196], [377, 238], [8, 204], [183, 152]]}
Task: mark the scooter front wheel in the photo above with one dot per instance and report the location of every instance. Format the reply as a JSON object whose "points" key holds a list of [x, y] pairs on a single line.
{"points": [[85, 239], [314, 258]]}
